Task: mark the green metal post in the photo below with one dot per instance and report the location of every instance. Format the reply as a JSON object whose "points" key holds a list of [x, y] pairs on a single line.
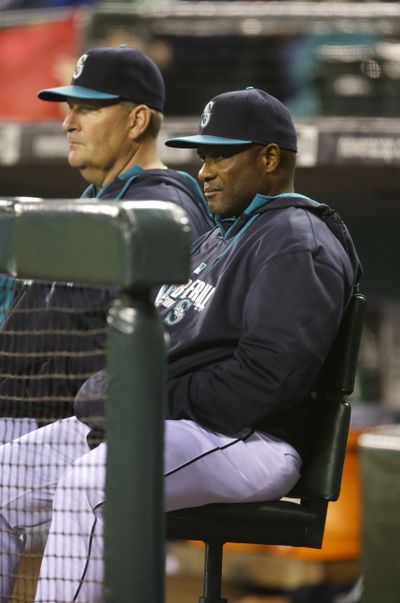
{"points": [[135, 246], [134, 514]]}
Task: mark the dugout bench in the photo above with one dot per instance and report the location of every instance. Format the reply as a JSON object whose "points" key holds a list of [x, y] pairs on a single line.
{"points": [[300, 521]]}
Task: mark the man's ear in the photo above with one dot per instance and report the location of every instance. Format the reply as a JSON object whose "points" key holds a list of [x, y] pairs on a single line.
{"points": [[271, 157], [139, 119]]}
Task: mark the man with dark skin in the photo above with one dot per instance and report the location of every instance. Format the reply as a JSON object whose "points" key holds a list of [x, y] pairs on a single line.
{"points": [[248, 334], [227, 195]]}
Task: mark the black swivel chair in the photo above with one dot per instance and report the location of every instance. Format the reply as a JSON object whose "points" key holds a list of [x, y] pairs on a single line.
{"points": [[301, 521]]}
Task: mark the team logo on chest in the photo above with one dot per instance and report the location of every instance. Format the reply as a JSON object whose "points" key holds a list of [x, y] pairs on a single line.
{"points": [[195, 294], [178, 312]]}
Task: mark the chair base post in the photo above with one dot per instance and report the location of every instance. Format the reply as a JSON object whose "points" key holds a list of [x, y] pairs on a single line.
{"points": [[213, 573]]}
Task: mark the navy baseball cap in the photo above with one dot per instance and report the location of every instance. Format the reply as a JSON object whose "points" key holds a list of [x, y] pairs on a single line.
{"points": [[242, 117], [120, 73]]}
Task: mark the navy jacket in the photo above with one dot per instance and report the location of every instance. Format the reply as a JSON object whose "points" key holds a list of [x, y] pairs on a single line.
{"points": [[54, 337], [137, 184], [52, 340], [252, 327]]}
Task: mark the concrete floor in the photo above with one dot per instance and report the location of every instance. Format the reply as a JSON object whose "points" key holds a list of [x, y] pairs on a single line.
{"points": [[262, 572], [184, 582], [178, 589]]}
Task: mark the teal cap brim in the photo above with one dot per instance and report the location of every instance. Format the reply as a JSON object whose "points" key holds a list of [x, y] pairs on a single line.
{"points": [[63, 92], [192, 142]]}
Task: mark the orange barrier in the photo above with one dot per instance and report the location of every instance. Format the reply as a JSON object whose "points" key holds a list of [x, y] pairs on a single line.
{"points": [[342, 540]]}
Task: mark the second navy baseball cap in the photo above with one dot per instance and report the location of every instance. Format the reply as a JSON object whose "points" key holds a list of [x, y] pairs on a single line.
{"points": [[119, 73], [242, 117]]}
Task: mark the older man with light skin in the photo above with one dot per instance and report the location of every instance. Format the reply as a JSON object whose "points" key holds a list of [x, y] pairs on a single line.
{"points": [[114, 112]]}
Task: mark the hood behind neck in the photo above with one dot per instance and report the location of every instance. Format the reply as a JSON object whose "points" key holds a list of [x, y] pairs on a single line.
{"points": [[262, 204]]}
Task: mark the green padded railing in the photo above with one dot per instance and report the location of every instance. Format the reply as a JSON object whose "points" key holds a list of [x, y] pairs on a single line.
{"points": [[133, 246]]}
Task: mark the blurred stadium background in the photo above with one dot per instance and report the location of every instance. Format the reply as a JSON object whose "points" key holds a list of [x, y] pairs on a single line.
{"points": [[337, 67]]}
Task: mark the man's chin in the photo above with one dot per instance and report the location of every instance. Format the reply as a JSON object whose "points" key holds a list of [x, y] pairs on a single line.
{"points": [[74, 161]]}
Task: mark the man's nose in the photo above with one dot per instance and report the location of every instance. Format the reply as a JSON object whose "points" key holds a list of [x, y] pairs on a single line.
{"points": [[206, 171], [69, 121]]}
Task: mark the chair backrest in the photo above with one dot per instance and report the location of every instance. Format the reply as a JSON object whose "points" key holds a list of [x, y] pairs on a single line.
{"points": [[337, 376], [329, 426]]}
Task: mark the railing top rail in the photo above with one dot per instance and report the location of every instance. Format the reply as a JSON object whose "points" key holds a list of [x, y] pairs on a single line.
{"points": [[130, 244]]}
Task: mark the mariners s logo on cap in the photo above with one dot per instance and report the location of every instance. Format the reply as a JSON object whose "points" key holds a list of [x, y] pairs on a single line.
{"points": [[113, 73], [79, 66], [206, 115], [242, 117]]}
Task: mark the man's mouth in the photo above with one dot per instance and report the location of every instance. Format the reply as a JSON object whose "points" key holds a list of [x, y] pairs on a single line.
{"points": [[210, 191]]}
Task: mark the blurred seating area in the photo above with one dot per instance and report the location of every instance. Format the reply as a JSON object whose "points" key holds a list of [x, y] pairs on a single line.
{"points": [[321, 58], [35, 4]]}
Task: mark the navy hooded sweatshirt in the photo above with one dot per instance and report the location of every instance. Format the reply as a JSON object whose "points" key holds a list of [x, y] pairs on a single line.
{"points": [[253, 325], [138, 184], [54, 337]]}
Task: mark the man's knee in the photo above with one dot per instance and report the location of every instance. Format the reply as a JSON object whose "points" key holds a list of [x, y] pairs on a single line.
{"points": [[84, 478]]}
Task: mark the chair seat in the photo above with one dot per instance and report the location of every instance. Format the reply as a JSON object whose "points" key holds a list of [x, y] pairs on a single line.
{"points": [[243, 522]]}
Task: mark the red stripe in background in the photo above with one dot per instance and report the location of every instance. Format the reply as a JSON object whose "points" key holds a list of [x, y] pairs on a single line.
{"points": [[35, 56]]}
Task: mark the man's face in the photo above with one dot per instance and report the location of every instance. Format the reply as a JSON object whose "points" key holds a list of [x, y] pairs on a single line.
{"points": [[231, 177], [98, 138]]}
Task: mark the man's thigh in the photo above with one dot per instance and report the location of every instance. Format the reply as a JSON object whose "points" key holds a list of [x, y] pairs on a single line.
{"points": [[32, 465], [12, 428], [203, 467]]}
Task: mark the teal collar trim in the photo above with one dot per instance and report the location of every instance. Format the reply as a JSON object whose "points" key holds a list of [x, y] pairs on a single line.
{"points": [[133, 171], [91, 190], [257, 202], [224, 224]]}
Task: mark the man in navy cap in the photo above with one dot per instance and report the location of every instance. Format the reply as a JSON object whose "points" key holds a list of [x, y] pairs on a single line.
{"points": [[114, 112], [248, 334]]}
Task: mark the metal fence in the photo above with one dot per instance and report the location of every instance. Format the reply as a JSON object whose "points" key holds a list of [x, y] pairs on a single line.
{"points": [[133, 247]]}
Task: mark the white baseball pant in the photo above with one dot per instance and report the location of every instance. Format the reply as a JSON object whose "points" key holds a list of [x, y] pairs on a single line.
{"points": [[51, 474], [11, 428]]}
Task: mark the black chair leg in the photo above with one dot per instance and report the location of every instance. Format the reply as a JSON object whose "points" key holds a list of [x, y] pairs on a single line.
{"points": [[213, 573]]}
